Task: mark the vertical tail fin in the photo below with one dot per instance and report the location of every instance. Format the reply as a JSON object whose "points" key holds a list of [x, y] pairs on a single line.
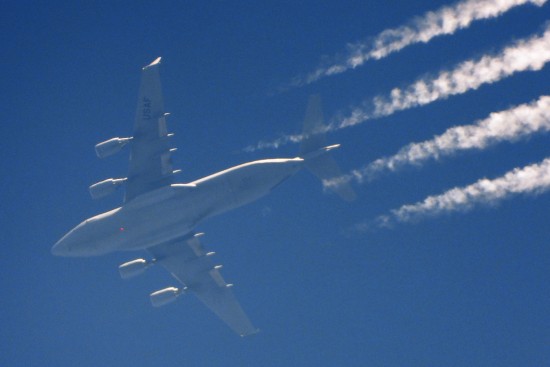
{"points": [[315, 152]]}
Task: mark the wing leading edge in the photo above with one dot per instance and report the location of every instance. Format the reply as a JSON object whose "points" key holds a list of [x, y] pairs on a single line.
{"points": [[191, 265], [151, 154]]}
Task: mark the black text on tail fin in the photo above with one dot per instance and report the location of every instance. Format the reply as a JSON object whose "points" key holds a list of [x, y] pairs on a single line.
{"points": [[315, 152]]}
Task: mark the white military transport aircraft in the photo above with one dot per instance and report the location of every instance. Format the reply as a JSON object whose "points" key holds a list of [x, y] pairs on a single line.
{"points": [[160, 216]]}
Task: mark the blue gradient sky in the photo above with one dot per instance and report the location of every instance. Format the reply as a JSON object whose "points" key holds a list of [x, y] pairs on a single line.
{"points": [[461, 289]]}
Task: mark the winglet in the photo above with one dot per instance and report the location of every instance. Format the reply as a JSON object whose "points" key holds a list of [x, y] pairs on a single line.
{"points": [[154, 63]]}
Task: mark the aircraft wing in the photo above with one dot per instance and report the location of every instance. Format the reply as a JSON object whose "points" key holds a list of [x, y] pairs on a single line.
{"points": [[150, 156], [191, 265]]}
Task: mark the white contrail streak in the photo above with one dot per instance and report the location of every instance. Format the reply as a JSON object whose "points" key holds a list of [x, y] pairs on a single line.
{"points": [[533, 179], [508, 125], [444, 21], [527, 54]]}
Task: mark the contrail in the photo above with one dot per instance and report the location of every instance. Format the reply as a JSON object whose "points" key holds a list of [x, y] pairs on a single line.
{"points": [[444, 21], [527, 54], [533, 179], [508, 125]]}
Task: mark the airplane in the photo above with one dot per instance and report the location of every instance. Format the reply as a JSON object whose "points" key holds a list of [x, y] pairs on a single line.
{"points": [[160, 216]]}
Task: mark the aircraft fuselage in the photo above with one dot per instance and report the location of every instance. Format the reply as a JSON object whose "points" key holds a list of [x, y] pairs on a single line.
{"points": [[174, 211]]}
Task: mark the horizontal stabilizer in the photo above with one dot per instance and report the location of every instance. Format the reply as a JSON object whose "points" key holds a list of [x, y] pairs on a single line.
{"points": [[154, 63], [320, 151], [314, 150], [325, 168]]}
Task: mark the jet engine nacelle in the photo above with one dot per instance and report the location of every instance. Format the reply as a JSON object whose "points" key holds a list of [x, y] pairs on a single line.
{"points": [[164, 296], [132, 268], [106, 187], [110, 146]]}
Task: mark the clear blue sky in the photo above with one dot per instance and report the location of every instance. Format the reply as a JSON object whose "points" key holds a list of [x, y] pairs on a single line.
{"points": [[460, 289]]}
